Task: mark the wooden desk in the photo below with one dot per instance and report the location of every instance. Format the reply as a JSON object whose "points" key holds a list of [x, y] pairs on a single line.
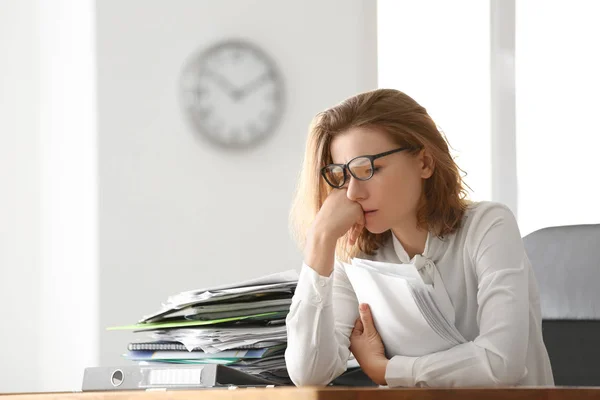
{"points": [[287, 393]]}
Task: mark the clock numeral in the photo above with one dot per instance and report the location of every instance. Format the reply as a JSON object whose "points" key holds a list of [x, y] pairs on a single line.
{"points": [[189, 99], [189, 82], [266, 116], [198, 93], [216, 130], [235, 135], [253, 130], [203, 113], [272, 96]]}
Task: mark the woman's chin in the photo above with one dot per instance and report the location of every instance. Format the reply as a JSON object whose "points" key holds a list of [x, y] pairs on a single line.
{"points": [[376, 229]]}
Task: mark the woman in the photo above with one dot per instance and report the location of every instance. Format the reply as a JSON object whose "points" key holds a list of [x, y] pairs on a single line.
{"points": [[378, 182]]}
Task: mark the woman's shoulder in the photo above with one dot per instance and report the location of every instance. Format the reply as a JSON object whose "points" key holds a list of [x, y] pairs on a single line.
{"points": [[478, 210], [482, 216]]}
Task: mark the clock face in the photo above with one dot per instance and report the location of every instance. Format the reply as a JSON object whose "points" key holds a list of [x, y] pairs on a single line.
{"points": [[233, 94]]}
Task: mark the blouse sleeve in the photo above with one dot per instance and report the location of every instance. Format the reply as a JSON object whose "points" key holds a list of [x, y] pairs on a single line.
{"points": [[319, 325]]}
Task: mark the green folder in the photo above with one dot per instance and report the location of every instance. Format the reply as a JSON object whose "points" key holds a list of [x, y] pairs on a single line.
{"points": [[186, 323]]}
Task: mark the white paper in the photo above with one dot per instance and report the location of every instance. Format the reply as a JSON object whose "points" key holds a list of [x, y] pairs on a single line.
{"points": [[280, 277], [213, 340], [407, 323], [274, 283], [407, 271]]}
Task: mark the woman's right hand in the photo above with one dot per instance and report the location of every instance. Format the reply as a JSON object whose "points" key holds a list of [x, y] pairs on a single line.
{"points": [[337, 216]]}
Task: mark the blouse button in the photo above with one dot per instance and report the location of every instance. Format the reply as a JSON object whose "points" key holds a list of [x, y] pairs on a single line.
{"points": [[322, 283], [317, 298]]}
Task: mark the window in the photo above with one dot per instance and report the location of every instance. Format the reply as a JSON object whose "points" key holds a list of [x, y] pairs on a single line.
{"points": [[437, 52], [557, 97]]}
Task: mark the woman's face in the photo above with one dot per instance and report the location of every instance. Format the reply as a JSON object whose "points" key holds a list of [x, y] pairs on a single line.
{"points": [[391, 197]]}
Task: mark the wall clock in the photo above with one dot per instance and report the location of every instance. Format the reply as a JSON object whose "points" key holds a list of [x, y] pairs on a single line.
{"points": [[233, 94]]}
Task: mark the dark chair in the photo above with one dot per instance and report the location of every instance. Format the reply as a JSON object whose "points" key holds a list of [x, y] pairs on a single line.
{"points": [[566, 263]]}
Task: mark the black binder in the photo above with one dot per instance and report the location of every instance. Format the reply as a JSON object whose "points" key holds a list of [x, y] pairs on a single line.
{"points": [[175, 376]]}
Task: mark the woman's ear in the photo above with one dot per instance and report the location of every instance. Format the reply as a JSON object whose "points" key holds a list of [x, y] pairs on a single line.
{"points": [[427, 164]]}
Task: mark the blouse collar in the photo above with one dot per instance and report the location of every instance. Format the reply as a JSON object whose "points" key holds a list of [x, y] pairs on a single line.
{"points": [[435, 247]]}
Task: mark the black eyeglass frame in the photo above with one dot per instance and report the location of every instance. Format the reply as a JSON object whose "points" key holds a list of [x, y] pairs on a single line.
{"points": [[346, 170]]}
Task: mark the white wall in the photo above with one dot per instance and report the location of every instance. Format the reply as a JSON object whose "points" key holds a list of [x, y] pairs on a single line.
{"points": [[174, 212], [19, 195]]}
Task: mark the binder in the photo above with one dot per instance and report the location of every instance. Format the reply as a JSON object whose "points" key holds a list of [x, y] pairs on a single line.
{"points": [[176, 346], [148, 377]]}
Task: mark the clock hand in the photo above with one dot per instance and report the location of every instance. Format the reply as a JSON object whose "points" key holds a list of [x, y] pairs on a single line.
{"points": [[258, 82], [223, 83]]}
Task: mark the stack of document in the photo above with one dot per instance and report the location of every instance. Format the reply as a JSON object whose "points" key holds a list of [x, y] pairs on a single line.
{"points": [[412, 317], [240, 325]]}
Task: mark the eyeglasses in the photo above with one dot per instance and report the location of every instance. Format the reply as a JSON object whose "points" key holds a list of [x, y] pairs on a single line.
{"points": [[360, 167]]}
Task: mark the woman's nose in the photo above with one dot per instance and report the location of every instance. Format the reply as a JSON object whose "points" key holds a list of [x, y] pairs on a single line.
{"points": [[356, 189]]}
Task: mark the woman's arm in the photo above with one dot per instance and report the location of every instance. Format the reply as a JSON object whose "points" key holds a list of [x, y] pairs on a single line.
{"points": [[324, 305], [497, 356], [319, 324]]}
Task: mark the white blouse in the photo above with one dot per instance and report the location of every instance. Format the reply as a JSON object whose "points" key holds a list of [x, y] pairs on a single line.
{"points": [[490, 283]]}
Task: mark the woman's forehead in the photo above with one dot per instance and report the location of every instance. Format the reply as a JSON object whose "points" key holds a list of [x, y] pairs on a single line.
{"points": [[359, 141]]}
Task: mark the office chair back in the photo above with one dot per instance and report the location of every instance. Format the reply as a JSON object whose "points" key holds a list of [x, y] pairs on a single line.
{"points": [[566, 263]]}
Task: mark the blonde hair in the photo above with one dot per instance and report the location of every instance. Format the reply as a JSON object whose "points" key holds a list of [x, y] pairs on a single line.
{"points": [[443, 200]]}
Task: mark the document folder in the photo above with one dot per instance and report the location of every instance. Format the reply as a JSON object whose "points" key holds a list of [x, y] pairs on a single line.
{"points": [[144, 377]]}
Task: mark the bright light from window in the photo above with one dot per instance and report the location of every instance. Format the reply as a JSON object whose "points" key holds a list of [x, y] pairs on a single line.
{"points": [[438, 52], [558, 138]]}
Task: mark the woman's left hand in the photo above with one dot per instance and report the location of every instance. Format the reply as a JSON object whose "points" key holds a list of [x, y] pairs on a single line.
{"points": [[367, 347]]}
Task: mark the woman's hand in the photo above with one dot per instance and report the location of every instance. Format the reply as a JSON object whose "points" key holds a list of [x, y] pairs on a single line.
{"points": [[338, 215], [367, 347]]}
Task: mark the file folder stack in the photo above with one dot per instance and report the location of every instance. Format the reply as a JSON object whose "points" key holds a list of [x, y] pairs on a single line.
{"points": [[240, 325]]}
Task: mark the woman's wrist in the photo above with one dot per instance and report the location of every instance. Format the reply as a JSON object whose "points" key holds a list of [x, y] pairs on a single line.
{"points": [[320, 238], [376, 371], [319, 252]]}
